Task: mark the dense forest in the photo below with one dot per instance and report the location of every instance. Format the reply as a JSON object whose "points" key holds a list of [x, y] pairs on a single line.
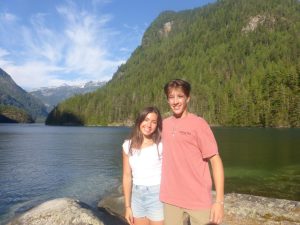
{"points": [[242, 58]]}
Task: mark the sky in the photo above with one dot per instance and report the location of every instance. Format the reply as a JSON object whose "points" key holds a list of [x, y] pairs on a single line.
{"points": [[46, 43]]}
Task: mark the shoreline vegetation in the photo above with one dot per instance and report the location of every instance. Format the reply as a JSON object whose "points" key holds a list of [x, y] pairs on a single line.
{"points": [[130, 124], [239, 209]]}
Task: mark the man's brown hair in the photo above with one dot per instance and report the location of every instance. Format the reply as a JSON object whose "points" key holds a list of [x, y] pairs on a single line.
{"points": [[178, 83]]}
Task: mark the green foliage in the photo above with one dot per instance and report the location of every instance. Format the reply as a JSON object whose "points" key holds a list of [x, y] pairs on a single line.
{"points": [[241, 75], [11, 114]]}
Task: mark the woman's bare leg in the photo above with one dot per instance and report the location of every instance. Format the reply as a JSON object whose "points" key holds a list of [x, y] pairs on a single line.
{"points": [[141, 221]]}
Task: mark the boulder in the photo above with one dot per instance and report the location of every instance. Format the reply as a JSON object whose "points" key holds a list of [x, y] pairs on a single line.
{"points": [[239, 209], [61, 211], [114, 203]]}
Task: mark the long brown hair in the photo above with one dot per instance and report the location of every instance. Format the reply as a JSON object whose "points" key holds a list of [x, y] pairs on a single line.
{"points": [[137, 137]]}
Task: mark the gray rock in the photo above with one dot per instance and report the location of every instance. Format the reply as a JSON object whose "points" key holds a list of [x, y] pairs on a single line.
{"points": [[239, 209], [249, 209], [61, 211], [114, 203]]}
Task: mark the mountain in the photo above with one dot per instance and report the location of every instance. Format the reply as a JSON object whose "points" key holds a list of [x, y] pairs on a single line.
{"points": [[51, 96], [13, 95], [242, 58]]}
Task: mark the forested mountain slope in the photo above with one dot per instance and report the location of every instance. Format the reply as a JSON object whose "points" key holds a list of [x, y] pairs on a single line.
{"points": [[242, 58], [13, 95]]}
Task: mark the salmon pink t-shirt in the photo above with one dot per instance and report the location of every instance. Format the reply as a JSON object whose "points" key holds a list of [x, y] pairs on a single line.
{"points": [[188, 142]]}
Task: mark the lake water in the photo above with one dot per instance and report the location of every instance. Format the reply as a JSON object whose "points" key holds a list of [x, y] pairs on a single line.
{"points": [[38, 163]]}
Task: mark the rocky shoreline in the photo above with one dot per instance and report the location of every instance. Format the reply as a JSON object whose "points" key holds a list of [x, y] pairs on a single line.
{"points": [[239, 209]]}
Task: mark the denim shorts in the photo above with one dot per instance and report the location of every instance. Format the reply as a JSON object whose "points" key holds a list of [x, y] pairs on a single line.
{"points": [[145, 202]]}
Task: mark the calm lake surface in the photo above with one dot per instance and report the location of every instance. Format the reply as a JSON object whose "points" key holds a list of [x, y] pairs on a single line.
{"points": [[38, 163]]}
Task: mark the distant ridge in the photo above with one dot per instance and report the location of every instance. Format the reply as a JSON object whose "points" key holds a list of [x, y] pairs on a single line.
{"points": [[51, 96], [13, 95]]}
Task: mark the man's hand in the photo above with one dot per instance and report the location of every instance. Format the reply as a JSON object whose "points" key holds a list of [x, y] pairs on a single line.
{"points": [[217, 213]]}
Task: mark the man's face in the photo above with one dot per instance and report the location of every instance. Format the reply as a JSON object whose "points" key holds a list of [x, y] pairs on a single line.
{"points": [[178, 102]]}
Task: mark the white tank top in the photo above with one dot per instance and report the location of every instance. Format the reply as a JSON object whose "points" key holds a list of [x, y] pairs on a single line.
{"points": [[145, 164]]}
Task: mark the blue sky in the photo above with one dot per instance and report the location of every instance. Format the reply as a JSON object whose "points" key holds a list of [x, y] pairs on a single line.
{"points": [[53, 42]]}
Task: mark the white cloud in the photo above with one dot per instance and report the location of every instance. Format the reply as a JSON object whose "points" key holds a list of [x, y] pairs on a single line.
{"points": [[7, 17], [3, 58], [87, 38], [76, 50], [35, 74]]}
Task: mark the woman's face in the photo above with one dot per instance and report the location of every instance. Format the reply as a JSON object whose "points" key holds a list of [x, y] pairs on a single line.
{"points": [[148, 126]]}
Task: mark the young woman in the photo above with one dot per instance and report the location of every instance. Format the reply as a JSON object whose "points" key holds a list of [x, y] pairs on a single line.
{"points": [[142, 160]]}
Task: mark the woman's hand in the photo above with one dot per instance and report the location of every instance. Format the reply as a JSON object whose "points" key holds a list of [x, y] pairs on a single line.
{"points": [[217, 213], [128, 215]]}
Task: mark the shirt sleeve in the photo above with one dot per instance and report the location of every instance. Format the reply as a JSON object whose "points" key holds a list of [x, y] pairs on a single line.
{"points": [[206, 139], [126, 146]]}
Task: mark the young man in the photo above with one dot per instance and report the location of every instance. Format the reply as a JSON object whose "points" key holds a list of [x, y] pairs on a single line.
{"points": [[189, 145]]}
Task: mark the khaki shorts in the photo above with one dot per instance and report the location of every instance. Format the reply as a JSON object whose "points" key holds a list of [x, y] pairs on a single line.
{"points": [[176, 216]]}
